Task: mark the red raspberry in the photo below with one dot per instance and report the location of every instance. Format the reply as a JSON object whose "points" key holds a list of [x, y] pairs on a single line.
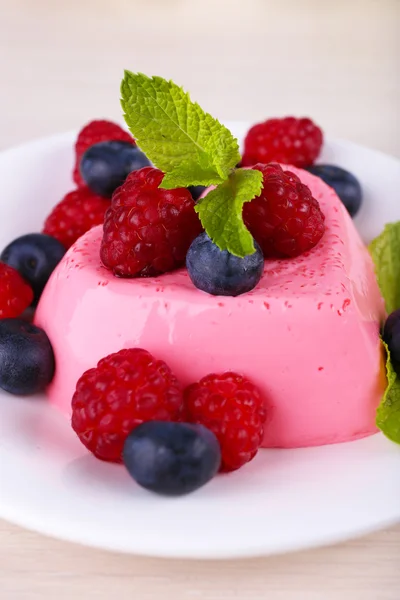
{"points": [[289, 141], [77, 212], [15, 294], [123, 391], [148, 230], [94, 133], [232, 407], [285, 219]]}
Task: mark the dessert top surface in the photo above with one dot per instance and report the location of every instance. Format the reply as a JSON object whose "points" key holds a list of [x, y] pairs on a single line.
{"points": [[330, 271]]}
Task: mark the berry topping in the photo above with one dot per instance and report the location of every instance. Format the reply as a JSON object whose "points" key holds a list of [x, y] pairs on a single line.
{"points": [[285, 219], [233, 409], [123, 391], [219, 272], [26, 357], [105, 166], [171, 458], [35, 256], [289, 141], [77, 212], [391, 335], [15, 294], [148, 230], [94, 133], [196, 191], [344, 183]]}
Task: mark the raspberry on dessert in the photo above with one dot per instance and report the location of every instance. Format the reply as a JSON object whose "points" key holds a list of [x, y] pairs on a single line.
{"points": [[77, 212], [15, 294], [94, 133], [289, 141], [233, 409], [285, 219], [126, 389], [148, 230]]}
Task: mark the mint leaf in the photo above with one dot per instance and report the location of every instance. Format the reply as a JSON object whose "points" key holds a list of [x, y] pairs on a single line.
{"points": [[221, 211], [388, 413], [385, 252], [182, 140]]}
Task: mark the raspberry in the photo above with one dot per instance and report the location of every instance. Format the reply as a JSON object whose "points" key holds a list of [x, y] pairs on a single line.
{"points": [[94, 133], [148, 230], [77, 212], [124, 390], [289, 141], [233, 409], [285, 219], [15, 294]]}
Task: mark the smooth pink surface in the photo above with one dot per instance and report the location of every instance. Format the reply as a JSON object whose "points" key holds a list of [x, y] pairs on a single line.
{"points": [[308, 335]]}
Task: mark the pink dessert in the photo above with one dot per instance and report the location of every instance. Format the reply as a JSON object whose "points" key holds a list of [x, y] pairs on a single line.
{"points": [[307, 335]]}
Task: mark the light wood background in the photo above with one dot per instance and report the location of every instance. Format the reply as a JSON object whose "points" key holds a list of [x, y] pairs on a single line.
{"points": [[339, 62]]}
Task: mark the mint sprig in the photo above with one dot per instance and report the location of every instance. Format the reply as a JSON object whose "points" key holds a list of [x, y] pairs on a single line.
{"points": [[221, 211], [182, 140], [388, 412], [385, 252], [192, 148]]}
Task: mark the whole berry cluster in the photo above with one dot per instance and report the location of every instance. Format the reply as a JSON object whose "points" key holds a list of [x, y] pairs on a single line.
{"points": [[131, 388]]}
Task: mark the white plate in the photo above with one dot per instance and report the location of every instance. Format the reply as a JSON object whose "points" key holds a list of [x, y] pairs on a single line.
{"points": [[284, 500]]}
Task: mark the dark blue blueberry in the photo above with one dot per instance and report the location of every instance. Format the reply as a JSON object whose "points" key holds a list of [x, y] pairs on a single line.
{"points": [[105, 166], [344, 183], [26, 357], [35, 256], [171, 458], [391, 335], [219, 272], [196, 191]]}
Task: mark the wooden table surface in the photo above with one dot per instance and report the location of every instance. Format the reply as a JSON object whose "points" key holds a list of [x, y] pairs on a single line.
{"points": [[339, 62]]}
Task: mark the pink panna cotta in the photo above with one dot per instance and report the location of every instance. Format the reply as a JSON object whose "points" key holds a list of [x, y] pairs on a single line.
{"points": [[307, 335]]}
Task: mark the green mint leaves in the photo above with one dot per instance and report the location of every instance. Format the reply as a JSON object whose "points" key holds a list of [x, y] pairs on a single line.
{"points": [[220, 211], [192, 148], [388, 413], [189, 145], [385, 252]]}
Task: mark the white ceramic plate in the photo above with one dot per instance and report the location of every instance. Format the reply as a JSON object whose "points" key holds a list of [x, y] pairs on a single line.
{"points": [[284, 500]]}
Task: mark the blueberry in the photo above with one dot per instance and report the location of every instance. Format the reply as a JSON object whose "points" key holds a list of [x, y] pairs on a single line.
{"points": [[391, 335], [171, 458], [344, 183], [219, 272], [26, 357], [35, 256], [196, 191], [105, 166]]}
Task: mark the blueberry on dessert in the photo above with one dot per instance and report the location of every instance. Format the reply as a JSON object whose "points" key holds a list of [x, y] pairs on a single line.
{"points": [[345, 184], [221, 273], [105, 166], [34, 256], [95, 132], [196, 191], [391, 335]]}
